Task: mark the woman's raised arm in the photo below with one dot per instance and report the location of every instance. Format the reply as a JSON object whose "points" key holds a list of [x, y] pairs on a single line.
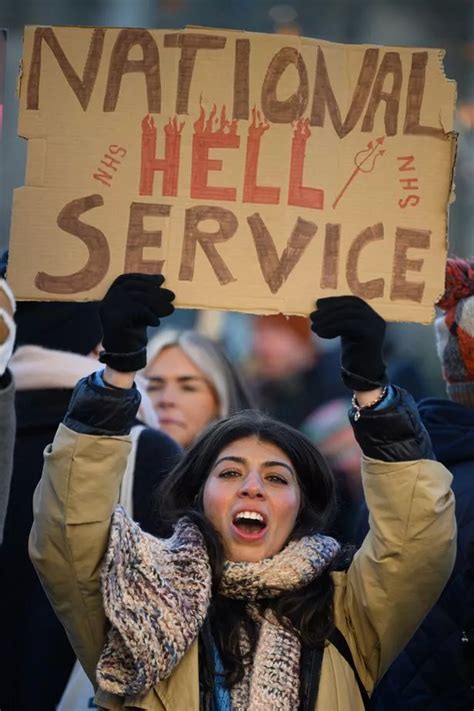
{"points": [[408, 553], [79, 488]]}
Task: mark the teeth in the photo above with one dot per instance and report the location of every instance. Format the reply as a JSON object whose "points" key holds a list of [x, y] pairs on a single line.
{"points": [[253, 515]]}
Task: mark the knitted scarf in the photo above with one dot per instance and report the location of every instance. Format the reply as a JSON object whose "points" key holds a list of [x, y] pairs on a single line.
{"points": [[156, 595]]}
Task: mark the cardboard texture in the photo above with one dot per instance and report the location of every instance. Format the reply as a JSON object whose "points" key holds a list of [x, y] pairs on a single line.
{"points": [[258, 172]]}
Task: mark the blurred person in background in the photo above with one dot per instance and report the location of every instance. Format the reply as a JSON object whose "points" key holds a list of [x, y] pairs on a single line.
{"points": [[328, 427], [292, 375], [403, 366], [430, 674], [191, 383], [57, 343], [7, 394]]}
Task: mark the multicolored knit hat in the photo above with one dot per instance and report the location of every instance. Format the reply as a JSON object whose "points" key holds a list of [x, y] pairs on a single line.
{"points": [[455, 331]]}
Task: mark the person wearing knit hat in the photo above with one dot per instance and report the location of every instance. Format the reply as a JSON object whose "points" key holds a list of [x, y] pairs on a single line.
{"points": [[455, 331], [56, 344], [430, 673]]}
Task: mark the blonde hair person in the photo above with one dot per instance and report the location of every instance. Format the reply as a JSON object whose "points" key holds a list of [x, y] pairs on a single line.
{"points": [[191, 383]]}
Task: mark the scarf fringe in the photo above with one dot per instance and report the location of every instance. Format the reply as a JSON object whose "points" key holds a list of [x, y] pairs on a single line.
{"points": [[156, 595]]}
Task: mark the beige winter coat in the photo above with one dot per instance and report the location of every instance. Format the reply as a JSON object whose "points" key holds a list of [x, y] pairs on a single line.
{"points": [[393, 581]]}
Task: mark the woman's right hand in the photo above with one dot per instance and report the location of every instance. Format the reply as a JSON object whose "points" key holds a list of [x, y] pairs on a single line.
{"points": [[132, 303]]}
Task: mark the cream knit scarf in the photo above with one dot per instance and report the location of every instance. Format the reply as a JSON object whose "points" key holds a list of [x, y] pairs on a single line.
{"points": [[156, 596]]}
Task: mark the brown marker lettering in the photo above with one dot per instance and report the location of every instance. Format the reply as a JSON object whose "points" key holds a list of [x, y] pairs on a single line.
{"points": [[193, 235], [390, 65], [276, 270], [81, 87], [189, 43], [241, 79], [324, 95], [405, 239], [98, 261], [138, 238], [330, 268], [120, 64], [294, 107], [374, 287], [416, 90]]}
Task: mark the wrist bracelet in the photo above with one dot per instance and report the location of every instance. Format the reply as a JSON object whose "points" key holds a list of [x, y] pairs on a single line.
{"points": [[358, 408]]}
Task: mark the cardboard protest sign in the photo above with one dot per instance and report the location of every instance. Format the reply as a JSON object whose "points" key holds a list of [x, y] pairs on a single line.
{"points": [[256, 171]]}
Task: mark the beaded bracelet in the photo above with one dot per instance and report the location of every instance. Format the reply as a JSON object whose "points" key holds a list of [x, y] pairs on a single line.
{"points": [[358, 408]]}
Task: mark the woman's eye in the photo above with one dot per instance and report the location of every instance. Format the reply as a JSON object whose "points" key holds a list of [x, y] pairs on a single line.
{"points": [[229, 474], [276, 479], [189, 388]]}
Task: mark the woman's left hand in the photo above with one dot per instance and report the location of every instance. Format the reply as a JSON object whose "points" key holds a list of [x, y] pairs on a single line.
{"points": [[362, 333]]}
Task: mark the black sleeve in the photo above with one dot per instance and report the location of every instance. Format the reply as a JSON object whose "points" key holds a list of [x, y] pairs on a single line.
{"points": [[394, 433], [5, 379], [156, 455], [98, 410]]}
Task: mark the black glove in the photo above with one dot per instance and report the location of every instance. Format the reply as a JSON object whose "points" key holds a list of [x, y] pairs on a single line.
{"points": [[362, 332], [133, 302]]}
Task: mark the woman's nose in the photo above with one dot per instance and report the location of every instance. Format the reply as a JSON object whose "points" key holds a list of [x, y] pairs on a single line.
{"points": [[252, 487], [166, 398], [162, 398]]}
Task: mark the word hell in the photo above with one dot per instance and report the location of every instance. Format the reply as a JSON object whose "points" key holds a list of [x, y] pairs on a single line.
{"points": [[275, 268], [378, 70], [205, 138]]}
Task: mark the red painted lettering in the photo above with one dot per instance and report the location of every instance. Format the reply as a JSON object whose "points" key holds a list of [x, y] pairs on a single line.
{"points": [[169, 164]]}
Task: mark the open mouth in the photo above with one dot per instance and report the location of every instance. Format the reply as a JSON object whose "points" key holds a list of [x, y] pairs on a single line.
{"points": [[249, 524]]}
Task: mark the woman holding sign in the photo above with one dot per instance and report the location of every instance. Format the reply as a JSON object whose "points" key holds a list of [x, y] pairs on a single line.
{"points": [[248, 605]]}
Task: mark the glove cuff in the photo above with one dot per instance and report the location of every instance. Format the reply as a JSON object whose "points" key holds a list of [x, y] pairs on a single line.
{"points": [[358, 382], [124, 362]]}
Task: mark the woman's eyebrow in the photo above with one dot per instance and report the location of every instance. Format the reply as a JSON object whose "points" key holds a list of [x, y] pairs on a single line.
{"points": [[180, 378], [276, 463], [231, 458], [242, 460]]}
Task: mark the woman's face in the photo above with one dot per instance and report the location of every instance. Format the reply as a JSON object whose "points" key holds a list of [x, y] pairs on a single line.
{"points": [[182, 397], [252, 498]]}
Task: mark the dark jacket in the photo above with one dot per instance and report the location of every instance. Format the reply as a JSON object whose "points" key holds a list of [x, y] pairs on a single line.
{"points": [[37, 648], [7, 439], [429, 674]]}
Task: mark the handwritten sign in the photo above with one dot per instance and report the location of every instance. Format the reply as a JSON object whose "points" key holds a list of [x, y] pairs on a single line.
{"points": [[257, 172]]}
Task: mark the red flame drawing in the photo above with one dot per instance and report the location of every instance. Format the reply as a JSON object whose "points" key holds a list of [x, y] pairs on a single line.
{"points": [[301, 129], [214, 125], [258, 125]]}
